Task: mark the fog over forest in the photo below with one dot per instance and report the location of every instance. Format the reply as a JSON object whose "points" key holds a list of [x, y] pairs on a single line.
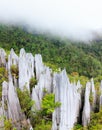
{"points": [[79, 19]]}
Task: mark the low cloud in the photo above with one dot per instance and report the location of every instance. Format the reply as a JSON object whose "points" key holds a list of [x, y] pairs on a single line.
{"points": [[77, 19]]}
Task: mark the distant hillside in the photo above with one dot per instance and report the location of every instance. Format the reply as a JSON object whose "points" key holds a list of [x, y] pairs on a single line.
{"points": [[86, 59]]}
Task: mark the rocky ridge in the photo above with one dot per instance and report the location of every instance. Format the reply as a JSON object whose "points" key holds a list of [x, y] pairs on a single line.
{"points": [[67, 93]]}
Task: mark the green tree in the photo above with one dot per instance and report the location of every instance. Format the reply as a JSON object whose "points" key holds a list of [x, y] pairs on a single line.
{"points": [[25, 101]]}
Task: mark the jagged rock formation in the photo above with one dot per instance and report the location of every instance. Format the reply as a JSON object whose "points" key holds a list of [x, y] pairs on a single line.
{"points": [[44, 77], [101, 95], [86, 110], [14, 110], [10, 104], [39, 66], [12, 60], [26, 69], [70, 98], [69, 94], [2, 57], [89, 104]]}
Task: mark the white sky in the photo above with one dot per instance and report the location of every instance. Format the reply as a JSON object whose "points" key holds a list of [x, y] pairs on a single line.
{"points": [[71, 18]]}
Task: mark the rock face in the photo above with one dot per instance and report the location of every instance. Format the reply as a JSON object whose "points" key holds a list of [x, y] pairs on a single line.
{"points": [[39, 66], [66, 93], [93, 95], [26, 69], [2, 57], [89, 104], [4, 103], [86, 110], [10, 103], [101, 95], [5, 98], [44, 81], [12, 61], [14, 109]]}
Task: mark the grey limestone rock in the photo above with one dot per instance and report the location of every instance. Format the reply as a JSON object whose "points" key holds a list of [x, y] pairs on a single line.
{"points": [[14, 109], [86, 109], [12, 60], [4, 105], [66, 115], [5, 98], [101, 95], [44, 84], [39, 66], [89, 103], [35, 98], [93, 94], [26, 69], [2, 57]]}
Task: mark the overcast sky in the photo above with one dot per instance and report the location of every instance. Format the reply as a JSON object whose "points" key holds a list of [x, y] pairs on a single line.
{"points": [[80, 19]]}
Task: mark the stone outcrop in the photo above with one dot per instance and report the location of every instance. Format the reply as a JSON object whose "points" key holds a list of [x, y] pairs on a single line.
{"points": [[93, 94], [12, 61], [66, 116], [26, 69], [2, 57], [5, 98], [86, 109], [14, 110], [10, 104], [44, 81], [68, 94], [101, 95], [89, 103], [39, 66]]}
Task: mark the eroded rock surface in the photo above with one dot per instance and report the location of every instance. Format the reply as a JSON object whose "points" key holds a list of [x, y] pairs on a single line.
{"points": [[101, 95], [26, 69], [2, 57], [65, 116], [86, 109], [67, 93]]}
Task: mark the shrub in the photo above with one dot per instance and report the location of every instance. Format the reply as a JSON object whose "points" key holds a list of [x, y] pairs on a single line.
{"points": [[8, 124], [25, 101], [43, 125], [49, 104], [33, 82], [54, 67], [3, 77], [96, 121], [78, 127], [41, 120], [14, 70], [91, 98]]}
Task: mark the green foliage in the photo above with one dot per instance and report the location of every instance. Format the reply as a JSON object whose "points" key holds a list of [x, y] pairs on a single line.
{"points": [[43, 125], [86, 59], [53, 67], [3, 77], [49, 104], [41, 120], [14, 129], [74, 77], [33, 82], [91, 98], [8, 124], [25, 101], [78, 127], [14, 70], [96, 121]]}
